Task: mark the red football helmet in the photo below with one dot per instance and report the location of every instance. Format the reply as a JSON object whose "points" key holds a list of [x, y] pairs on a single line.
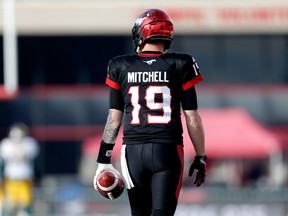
{"points": [[153, 24]]}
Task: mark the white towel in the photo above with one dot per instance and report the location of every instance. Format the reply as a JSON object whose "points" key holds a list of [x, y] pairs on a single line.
{"points": [[125, 172]]}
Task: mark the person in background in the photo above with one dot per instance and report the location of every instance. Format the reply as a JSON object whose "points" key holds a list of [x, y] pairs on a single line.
{"points": [[18, 153], [151, 87]]}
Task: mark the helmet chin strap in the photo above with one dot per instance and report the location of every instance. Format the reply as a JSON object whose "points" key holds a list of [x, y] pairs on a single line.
{"points": [[138, 48]]}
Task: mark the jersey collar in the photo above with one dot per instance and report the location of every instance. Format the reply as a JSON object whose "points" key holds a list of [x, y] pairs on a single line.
{"points": [[150, 54]]}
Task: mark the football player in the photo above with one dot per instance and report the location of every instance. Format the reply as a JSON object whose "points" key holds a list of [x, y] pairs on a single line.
{"points": [[152, 87], [18, 152]]}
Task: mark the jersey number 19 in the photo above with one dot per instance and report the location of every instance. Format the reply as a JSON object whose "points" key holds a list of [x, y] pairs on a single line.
{"points": [[150, 95]]}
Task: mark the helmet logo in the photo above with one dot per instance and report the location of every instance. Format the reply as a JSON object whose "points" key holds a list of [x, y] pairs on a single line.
{"points": [[139, 21]]}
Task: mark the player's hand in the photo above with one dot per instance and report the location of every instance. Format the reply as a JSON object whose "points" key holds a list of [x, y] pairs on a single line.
{"points": [[102, 167], [199, 164]]}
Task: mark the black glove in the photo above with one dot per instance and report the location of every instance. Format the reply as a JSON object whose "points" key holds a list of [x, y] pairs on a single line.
{"points": [[199, 164]]}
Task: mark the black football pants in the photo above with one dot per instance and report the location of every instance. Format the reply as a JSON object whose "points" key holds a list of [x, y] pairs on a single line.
{"points": [[156, 171]]}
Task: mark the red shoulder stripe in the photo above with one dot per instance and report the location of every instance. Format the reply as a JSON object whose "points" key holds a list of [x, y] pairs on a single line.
{"points": [[112, 84], [192, 82]]}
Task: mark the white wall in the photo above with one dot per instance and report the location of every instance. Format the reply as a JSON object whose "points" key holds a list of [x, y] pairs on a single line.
{"points": [[117, 17]]}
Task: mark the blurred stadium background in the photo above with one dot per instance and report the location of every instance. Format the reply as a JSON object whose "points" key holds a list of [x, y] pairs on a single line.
{"points": [[58, 51]]}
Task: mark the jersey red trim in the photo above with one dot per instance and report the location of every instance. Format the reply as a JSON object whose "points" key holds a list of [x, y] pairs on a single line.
{"points": [[112, 84], [192, 82], [149, 54]]}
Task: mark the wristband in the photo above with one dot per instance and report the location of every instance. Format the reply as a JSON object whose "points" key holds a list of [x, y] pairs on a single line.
{"points": [[105, 153]]}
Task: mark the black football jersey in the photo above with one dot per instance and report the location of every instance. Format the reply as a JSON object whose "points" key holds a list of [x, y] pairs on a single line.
{"points": [[152, 85]]}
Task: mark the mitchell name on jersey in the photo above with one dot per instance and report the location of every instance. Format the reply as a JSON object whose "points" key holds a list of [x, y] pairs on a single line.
{"points": [[147, 76]]}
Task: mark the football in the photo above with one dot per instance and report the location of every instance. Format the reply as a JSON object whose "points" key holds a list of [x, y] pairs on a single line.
{"points": [[110, 185]]}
